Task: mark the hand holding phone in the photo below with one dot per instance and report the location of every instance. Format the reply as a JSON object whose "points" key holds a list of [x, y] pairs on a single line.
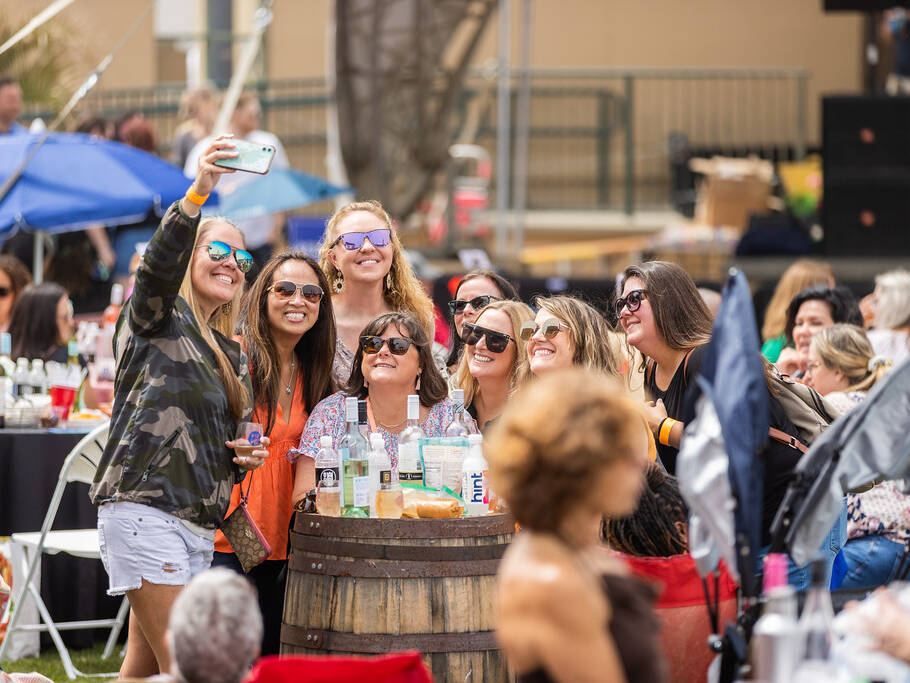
{"points": [[252, 157]]}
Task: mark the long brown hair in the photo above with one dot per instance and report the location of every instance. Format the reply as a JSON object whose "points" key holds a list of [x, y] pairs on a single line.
{"points": [[224, 320], [406, 292], [801, 274], [315, 350]]}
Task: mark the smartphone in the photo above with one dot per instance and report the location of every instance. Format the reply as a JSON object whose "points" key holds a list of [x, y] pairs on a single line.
{"points": [[251, 157]]}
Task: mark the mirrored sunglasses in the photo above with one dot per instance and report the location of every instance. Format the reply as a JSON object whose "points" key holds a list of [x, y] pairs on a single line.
{"points": [[398, 346], [496, 341], [218, 251], [354, 240], [632, 300], [285, 290], [457, 306], [550, 328]]}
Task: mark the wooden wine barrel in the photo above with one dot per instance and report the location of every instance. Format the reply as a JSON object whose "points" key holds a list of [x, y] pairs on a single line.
{"points": [[373, 586]]}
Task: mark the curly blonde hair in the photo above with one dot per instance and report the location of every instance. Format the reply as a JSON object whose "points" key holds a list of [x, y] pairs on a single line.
{"points": [[518, 313], [554, 438], [406, 292]]}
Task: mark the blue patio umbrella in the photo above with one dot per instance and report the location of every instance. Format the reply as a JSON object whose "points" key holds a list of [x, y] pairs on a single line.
{"points": [[281, 189], [77, 180]]}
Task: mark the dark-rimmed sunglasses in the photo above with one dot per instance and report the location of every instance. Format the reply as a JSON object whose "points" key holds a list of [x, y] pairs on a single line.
{"points": [[354, 240], [218, 251], [457, 306], [5, 292], [550, 328], [398, 346], [632, 300], [285, 290], [496, 341]]}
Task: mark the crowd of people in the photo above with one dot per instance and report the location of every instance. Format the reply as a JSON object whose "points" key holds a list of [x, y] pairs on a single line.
{"points": [[581, 462]]}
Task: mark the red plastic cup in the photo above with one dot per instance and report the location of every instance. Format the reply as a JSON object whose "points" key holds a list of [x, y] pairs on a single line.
{"points": [[62, 401]]}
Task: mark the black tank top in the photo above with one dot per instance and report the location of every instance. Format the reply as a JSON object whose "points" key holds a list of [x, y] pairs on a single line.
{"points": [[634, 628]]}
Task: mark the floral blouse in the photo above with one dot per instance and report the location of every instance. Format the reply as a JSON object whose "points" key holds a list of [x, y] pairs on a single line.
{"points": [[328, 418]]}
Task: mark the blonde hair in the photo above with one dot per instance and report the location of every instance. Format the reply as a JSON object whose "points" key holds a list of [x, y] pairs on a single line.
{"points": [[518, 313], [800, 275], [846, 349], [406, 292], [224, 320], [892, 305], [589, 330]]}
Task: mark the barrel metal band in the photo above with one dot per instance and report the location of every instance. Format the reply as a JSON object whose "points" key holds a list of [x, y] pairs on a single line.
{"points": [[355, 527], [401, 569], [382, 643], [324, 546]]}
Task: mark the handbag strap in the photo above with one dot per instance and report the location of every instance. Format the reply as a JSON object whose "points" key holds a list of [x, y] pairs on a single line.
{"points": [[248, 477]]}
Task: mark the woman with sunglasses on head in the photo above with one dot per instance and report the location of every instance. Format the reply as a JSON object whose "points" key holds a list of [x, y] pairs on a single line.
{"points": [[14, 277], [495, 360], [288, 333], [665, 318], [394, 359], [568, 332], [164, 480], [474, 291], [363, 262]]}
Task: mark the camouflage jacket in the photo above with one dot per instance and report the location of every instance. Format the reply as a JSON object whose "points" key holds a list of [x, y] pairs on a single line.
{"points": [[171, 417]]}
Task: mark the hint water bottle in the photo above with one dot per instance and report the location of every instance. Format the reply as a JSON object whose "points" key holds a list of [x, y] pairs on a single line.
{"points": [[474, 488], [354, 452], [328, 479], [775, 637], [409, 466]]}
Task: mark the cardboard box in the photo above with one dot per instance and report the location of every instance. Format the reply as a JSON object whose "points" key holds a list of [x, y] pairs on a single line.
{"points": [[731, 190]]}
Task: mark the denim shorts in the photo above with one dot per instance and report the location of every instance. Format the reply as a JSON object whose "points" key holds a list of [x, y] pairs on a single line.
{"points": [[140, 542]]}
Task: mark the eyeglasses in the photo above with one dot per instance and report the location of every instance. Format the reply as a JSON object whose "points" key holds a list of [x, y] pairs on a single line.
{"points": [[398, 346], [550, 328], [218, 251], [496, 341], [457, 306], [354, 240], [285, 290], [632, 300], [5, 292]]}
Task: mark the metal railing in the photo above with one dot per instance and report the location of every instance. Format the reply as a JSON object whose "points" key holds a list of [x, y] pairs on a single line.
{"points": [[610, 139]]}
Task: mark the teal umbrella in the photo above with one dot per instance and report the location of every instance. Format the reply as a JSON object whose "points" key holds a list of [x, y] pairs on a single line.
{"points": [[281, 189]]}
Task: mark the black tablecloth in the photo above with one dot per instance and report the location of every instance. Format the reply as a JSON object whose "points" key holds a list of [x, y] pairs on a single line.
{"points": [[72, 588]]}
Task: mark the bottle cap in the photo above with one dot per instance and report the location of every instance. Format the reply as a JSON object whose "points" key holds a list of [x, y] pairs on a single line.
{"points": [[350, 409], [775, 571], [413, 407], [6, 343], [325, 441], [376, 441]]}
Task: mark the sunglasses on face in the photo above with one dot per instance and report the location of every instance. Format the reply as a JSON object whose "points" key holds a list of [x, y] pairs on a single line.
{"points": [[632, 300], [398, 346], [496, 341], [285, 290], [457, 306], [354, 240], [5, 292], [550, 328], [218, 251]]}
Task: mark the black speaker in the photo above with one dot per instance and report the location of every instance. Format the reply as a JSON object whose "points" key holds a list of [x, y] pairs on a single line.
{"points": [[866, 151]]}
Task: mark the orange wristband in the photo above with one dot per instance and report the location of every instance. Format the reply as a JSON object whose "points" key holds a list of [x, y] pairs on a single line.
{"points": [[194, 198], [666, 426]]}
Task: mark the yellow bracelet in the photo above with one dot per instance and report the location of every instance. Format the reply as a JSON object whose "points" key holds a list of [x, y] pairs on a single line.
{"points": [[194, 198], [666, 426]]}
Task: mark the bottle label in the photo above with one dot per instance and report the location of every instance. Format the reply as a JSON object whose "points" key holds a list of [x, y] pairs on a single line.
{"points": [[409, 468], [385, 477], [361, 486], [473, 488], [327, 476]]}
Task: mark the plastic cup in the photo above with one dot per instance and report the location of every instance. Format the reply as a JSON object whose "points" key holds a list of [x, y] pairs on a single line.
{"points": [[62, 398]]}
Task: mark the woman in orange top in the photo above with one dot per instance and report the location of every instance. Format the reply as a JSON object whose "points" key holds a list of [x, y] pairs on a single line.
{"points": [[288, 331]]}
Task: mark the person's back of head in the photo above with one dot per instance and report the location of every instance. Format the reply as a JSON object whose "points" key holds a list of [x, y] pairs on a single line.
{"points": [[214, 629], [892, 300]]}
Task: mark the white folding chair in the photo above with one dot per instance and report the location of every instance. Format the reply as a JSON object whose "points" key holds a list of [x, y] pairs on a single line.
{"points": [[79, 466]]}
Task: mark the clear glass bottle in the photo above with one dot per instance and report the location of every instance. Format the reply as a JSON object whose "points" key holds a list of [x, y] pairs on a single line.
{"points": [[386, 499], [775, 637], [410, 468], [328, 479], [353, 449], [457, 426], [363, 421], [816, 624]]}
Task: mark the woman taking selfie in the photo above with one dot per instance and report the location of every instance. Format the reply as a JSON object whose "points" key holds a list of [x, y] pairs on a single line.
{"points": [[289, 335], [664, 317], [569, 450], [165, 478], [495, 361], [363, 262]]}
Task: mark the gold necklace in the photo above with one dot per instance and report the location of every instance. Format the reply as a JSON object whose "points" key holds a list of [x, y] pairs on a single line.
{"points": [[372, 412]]}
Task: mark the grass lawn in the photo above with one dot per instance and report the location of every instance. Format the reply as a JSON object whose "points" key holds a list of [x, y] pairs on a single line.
{"points": [[50, 665]]}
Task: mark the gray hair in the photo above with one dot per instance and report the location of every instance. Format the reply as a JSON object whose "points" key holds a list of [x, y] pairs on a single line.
{"points": [[215, 628], [892, 306]]}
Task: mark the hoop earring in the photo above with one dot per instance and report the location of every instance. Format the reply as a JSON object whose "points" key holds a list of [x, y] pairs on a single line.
{"points": [[338, 283]]}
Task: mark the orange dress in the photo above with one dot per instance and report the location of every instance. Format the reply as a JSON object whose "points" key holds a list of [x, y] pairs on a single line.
{"points": [[272, 486]]}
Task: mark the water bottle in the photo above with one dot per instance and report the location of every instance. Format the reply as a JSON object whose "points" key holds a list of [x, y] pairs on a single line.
{"points": [[474, 488], [38, 378], [328, 479], [22, 386], [816, 626], [386, 500], [775, 637]]}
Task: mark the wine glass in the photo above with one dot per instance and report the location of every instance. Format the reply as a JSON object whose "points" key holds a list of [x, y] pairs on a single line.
{"points": [[249, 436]]}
